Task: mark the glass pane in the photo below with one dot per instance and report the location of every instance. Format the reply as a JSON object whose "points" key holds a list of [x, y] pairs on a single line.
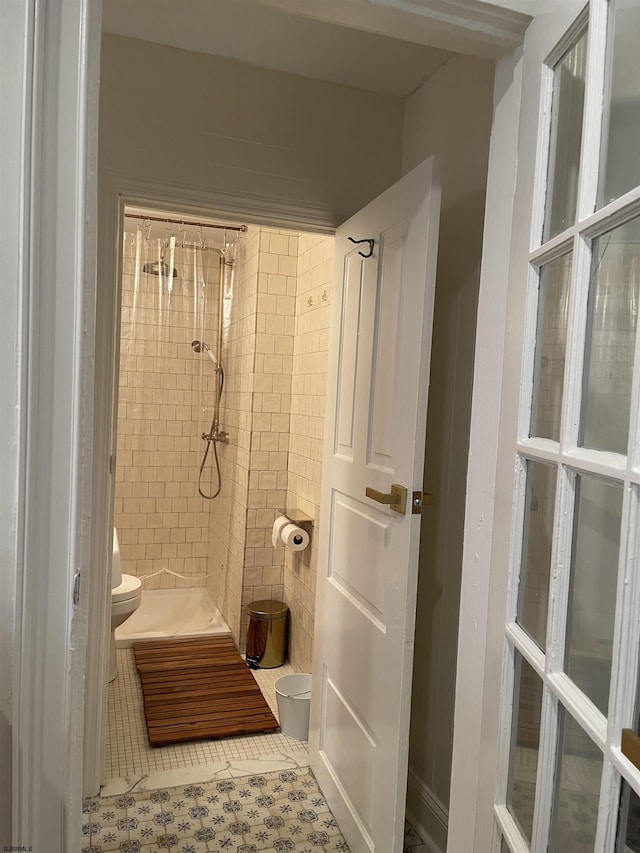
{"points": [[592, 599], [575, 806], [611, 335], [628, 840], [525, 738], [551, 341], [620, 155], [566, 135], [533, 594]]}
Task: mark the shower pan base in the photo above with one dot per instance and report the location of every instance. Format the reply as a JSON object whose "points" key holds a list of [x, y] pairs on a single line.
{"points": [[169, 613]]}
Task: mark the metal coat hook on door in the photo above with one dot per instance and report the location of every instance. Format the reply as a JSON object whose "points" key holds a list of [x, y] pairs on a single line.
{"points": [[371, 245]]}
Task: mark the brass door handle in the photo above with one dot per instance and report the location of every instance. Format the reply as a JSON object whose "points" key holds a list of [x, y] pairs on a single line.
{"points": [[396, 499]]}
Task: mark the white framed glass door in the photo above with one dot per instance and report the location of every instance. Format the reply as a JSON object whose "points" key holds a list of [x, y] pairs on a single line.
{"points": [[572, 628]]}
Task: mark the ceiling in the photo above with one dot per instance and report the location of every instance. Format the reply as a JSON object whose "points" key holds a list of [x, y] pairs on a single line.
{"points": [[249, 31]]}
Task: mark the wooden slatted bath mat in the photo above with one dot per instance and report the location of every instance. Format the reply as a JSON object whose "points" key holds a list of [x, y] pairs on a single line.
{"points": [[198, 688]]}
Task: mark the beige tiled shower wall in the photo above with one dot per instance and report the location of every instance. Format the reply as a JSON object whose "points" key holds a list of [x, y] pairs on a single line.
{"points": [[257, 354], [256, 409], [314, 283], [274, 356], [161, 521], [275, 329]]}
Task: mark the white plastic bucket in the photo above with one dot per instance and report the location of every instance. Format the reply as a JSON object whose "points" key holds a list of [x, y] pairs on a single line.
{"points": [[293, 693]]}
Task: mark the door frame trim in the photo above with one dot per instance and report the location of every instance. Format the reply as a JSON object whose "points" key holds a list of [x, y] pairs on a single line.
{"points": [[115, 192], [48, 701], [52, 197], [476, 676]]}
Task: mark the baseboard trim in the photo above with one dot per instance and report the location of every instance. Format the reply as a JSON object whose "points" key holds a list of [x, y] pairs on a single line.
{"points": [[427, 814]]}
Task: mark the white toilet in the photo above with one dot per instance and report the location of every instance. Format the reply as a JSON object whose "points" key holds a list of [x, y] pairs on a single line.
{"points": [[126, 594]]}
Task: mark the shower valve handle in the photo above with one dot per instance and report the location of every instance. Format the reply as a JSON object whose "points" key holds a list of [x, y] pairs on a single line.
{"points": [[218, 435]]}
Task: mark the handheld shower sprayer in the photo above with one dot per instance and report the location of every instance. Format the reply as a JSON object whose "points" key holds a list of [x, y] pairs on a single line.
{"points": [[201, 346], [215, 433]]}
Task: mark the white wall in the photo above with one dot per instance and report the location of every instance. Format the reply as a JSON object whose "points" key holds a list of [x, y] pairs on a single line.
{"points": [[450, 116], [13, 90], [198, 122]]}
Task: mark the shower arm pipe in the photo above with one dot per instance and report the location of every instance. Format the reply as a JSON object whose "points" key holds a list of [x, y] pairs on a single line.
{"points": [[223, 266], [170, 221], [216, 433]]}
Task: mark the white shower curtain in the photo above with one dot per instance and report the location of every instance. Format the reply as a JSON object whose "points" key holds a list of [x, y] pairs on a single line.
{"points": [[166, 393]]}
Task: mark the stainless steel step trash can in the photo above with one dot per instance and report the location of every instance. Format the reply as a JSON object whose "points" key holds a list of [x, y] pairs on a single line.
{"points": [[267, 634]]}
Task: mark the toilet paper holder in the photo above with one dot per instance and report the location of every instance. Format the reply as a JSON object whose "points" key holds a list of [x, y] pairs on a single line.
{"points": [[301, 519]]}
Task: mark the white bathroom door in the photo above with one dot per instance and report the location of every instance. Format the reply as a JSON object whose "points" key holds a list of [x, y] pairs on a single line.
{"points": [[368, 551]]}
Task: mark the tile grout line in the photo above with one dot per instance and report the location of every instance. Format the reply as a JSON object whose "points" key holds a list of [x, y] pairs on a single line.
{"points": [[128, 750]]}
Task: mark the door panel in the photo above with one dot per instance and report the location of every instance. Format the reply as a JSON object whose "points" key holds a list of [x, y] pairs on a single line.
{"points": [[345, 733], [571, 630], [348, 358], [358, 555], [386, 355], [368, 553]]}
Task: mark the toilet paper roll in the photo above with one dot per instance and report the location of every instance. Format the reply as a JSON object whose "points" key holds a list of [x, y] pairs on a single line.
{"points": [[278, 525], [294, 537]]}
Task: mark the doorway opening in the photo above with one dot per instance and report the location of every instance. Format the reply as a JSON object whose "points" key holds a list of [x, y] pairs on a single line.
{"points": [[220, 328], [451, 380]]}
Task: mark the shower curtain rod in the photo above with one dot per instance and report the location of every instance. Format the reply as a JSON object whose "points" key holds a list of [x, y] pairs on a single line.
{"points": [[182, 222]]}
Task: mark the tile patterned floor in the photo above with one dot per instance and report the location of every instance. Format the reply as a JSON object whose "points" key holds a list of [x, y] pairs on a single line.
{"points": [[184, 798], [130, 755], [412, 841], [272, 812]]}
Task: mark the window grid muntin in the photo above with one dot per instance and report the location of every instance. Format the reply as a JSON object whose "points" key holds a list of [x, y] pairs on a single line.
{"points": [[550, 667], [546, 754], [598, 16], [510, 830], [600, 463], [528, 648], [633, 449], [554, 248], [608, 806], [516, 536], [622, 695], [626, 630], [626, 626], [606, 98], [543, 148], [557, 683], [566, 454]]}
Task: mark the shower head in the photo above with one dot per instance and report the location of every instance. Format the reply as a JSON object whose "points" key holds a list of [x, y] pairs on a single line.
{"points": [[201, 346], [164, 270]]}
